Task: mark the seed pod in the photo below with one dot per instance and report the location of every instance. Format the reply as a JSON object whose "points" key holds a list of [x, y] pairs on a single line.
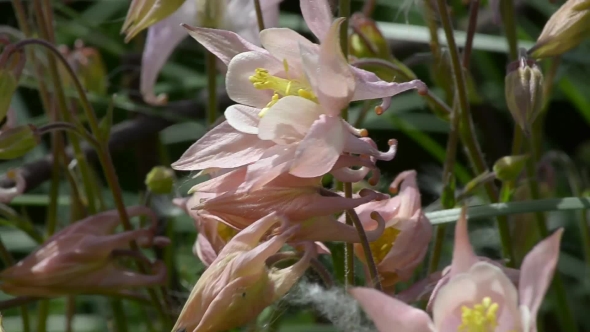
{"points": [[524, 92], [16, 142], [566, 29]]}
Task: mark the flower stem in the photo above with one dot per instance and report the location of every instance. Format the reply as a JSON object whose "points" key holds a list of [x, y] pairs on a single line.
{"points": [[118, 315], [507, 12], [344, 11], [259, 17], [9, 261], [468, 131], [375, 280], [211, 88]]}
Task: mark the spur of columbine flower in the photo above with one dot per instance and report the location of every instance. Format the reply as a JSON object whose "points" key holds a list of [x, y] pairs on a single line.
{"points": [[166, 34], [81, 258], [298, 129], [8, 194], [238, 285], [478, 297], [302, 200], [404, 242]]}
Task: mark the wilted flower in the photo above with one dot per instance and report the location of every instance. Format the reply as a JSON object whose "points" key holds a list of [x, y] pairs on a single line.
{"points": [[478, 297], [81, 258], [238, 285], [566, 29], [8, 194], [165, 35], [302, 201], [404, 242], [524, 92]]}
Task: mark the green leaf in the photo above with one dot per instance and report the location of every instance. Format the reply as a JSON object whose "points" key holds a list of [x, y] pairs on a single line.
{"points": [[503, 209]]}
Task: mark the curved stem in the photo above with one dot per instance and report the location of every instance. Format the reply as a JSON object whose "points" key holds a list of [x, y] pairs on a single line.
{"points": [[259, 17], [375, 279]]}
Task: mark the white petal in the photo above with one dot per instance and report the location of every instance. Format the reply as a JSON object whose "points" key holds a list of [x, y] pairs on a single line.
{"points": [[283, 44], [288, 120], [317, 16], [243, 118], [369, 86]]}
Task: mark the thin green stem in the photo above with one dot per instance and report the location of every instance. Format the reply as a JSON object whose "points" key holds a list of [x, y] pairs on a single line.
{"points": [[42, 314], [372, 266], [9, 261], [118, 315], [508, 18], [468, 131], [437, 246], [344, 11], [259, 17], [211, 88]]}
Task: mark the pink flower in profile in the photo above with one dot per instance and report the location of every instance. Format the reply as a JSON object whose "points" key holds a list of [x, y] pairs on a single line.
{"points": [[404, 242], [238, 285], [164, 36], [301, 200], [81, 259], [478, 296]]}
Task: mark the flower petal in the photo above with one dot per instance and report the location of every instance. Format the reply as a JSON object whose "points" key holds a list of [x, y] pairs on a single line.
{"points": [[283, 44], [320, 148], [317, 16], [387, 312], [222, 147], [238, 85], [224, 44], [243, 118], [463, 255], [162, 39], [369, 86], [536, 272], [288, 120], [335, 83]]}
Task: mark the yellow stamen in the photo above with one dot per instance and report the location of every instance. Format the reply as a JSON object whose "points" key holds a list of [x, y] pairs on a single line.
{"points": [[225, 232], [481, 318], [381, 247], [273, 101]]}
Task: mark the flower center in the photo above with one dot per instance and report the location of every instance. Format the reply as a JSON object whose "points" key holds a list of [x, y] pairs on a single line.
{"points": [[225, 232], [480, 318], [383, 244], [281, 87]]}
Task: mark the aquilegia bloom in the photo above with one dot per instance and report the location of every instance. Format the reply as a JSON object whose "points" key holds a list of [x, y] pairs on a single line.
{"points": [[479, 297], [238, 285], [81, 258]]}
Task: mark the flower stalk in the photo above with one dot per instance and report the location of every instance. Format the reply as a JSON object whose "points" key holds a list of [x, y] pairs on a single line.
{"points": [[259, 17]]}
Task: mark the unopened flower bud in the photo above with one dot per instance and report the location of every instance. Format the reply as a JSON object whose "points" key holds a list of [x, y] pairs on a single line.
{"points": [[144, 13], [524, 92], [210, 12], [509, 168], [160, 180], [367, 41], [16, 142], [566, 29]]}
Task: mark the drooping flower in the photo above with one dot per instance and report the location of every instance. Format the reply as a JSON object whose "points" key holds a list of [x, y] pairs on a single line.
{"points": [[478, 297], [301, 200], [297, 88], [238, 285], [165, 35], [404, 242], [81, 258], [8, 194]]}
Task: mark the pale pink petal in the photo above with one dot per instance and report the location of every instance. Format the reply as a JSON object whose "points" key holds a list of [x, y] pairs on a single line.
{"points": [[243, 118], [224, 44], [317, 16], [310, 61], [288, 120], [238, 85], [365, 146], [162, 39], [369, 86], [222, 147], [335, 83], [270, 12], [536, 273], [390, 314], [320, 148], [283, 44], [273, 163], [463, 255], [204, 250], [470, 288]]}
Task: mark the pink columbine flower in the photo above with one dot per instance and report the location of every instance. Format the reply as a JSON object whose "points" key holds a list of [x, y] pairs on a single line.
{"points": [[301, 200], [8, 194], [291, 94], [478, 296], [238, 285], [164, 36], [404, 242], [81, 258]]}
